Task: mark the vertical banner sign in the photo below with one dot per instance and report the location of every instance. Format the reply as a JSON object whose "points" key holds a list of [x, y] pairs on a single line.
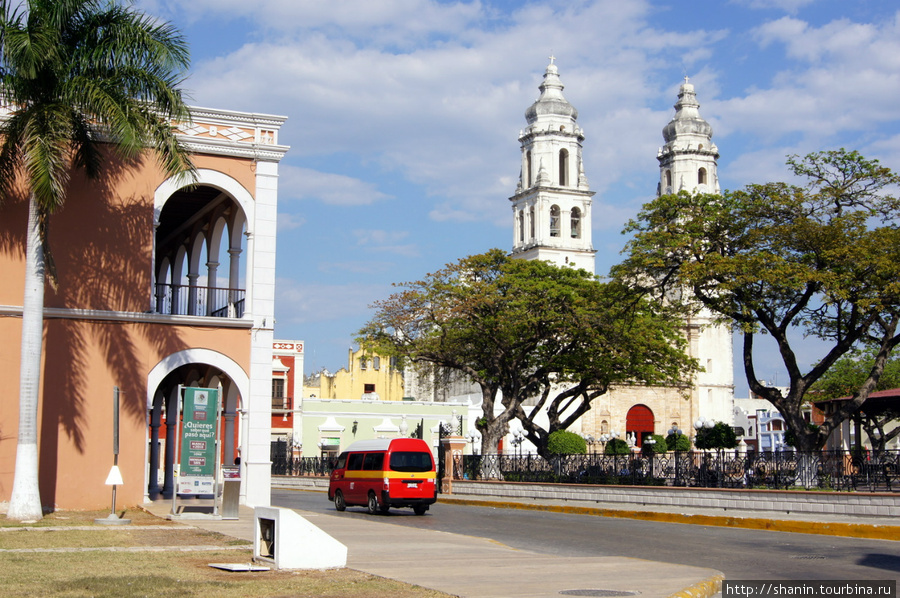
{"points": [[198, 441]]}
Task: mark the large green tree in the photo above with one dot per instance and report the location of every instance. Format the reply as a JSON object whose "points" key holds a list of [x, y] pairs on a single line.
{"points": [[80, 78], [530, 331], [820, 259]]}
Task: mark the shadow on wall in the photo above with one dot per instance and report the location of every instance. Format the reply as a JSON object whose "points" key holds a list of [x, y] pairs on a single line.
{"points": [[101, 244]]}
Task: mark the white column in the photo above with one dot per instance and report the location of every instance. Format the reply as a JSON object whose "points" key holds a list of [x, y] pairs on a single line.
{"points": [[261, 307]]}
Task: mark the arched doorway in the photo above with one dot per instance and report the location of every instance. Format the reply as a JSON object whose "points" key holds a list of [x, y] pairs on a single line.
{"points": [[191, 367], [639, 422]]}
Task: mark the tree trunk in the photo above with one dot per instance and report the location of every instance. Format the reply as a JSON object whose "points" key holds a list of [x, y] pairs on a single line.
{"points": [[25, 501]]}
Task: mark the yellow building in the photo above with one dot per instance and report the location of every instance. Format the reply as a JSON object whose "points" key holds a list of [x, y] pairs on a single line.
{"points": [[367, 377]]}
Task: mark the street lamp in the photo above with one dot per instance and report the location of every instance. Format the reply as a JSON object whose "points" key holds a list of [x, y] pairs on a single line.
{"points": [[517, 440], [675, 432], [475, 439], [607, 438]]}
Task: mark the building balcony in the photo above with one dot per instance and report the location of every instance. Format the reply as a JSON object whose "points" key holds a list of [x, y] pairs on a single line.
{"points": [[177, 299]]}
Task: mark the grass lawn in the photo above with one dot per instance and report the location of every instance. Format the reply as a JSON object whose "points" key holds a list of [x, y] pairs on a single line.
{"points": [[78, 562]]}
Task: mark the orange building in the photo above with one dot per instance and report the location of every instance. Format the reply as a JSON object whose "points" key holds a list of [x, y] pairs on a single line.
{"points": [[160, 286]]}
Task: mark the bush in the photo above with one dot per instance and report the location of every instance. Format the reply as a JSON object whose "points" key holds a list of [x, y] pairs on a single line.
{"points": [[563, 442], [720, 436], [678, 442], [617, 446], [659, 445]]}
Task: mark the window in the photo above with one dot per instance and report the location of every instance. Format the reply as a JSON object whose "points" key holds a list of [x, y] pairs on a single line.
{"points": [[355, 461], [554, 221], [341, 462], [362, 363], [411, 461], [701, 176], [373, 461], [531, 220], [576, 223], [668, 178], [521, 227], [376, 362], [563, 167], [278, 393], [528, 169], [368, 388]]}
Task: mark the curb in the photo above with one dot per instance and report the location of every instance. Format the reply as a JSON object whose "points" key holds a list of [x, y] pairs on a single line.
{"points": [[850, 530], [704, 589]]}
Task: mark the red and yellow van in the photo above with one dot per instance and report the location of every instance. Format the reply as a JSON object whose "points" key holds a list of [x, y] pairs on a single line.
{"points": [[384, 473]]}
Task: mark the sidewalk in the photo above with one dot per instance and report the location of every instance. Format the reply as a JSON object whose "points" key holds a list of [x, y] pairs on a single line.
{"points": [[467, 566]]}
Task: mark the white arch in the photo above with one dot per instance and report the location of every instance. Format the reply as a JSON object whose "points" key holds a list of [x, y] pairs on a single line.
{"points": [[211, 178], [204, 356]]}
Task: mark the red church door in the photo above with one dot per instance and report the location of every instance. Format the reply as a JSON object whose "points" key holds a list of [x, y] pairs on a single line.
{"points": [[640, 422]]}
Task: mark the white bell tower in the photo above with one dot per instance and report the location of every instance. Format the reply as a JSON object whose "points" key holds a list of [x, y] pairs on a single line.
{"points": [[688, 159], [687, 162], [552, 204]]}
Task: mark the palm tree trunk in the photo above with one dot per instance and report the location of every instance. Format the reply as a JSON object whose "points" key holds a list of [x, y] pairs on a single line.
{"points": [[25, 501]]}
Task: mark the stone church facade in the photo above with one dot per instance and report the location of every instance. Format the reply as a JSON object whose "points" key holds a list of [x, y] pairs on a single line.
{"points": [[552, 221]]}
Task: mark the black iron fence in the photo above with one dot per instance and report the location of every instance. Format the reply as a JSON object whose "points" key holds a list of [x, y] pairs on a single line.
{"points": [[826, 470]]}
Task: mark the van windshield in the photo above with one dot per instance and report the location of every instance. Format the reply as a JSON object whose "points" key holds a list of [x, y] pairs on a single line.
{"points": [[411, 461]]}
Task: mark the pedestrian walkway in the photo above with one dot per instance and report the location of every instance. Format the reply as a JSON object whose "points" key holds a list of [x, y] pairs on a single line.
{"points": [[468, 566]]}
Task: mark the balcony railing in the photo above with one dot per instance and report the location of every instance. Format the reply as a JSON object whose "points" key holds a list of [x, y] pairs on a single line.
{"points": [[282, 404], [178, 299]]}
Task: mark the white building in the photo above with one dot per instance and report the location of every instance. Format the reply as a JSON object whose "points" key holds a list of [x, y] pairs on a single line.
{"points": [[552, 221], [552, 204]]}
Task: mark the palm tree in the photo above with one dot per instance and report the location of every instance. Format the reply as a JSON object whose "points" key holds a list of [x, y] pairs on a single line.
{"points": [[78, 76]]}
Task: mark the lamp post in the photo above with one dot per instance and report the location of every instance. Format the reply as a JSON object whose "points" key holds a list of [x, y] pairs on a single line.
{"points": [[474, 439], [517, 440], [702, 423]]}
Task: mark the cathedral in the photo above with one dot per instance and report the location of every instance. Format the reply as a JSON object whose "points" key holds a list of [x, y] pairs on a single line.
{"points": [[552, 221]]}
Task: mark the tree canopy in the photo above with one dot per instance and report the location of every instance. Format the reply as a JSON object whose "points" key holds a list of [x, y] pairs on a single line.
{"points": [[530, 331], [821, 259]]}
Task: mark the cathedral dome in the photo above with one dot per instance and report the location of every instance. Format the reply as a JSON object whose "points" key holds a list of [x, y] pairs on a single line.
{"points": [[687, 119], [551, 102]]}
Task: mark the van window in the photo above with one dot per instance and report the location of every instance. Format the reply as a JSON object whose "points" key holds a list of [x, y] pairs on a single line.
{"points": [[374, 461], [355, 461], [410, 461], [341, 461]]}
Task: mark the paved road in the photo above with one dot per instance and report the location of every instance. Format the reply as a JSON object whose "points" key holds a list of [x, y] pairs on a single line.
{"points": [[739, 554]]}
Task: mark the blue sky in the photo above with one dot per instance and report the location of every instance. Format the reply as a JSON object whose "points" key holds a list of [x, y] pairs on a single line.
{"points": [[404, 117]]}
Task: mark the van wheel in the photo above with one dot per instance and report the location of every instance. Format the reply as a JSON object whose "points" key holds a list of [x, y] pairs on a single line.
{"points": [[339, 503], [420, 509], [373, 504]]}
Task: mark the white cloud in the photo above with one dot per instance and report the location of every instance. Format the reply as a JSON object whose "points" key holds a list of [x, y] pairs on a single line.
{"points": [[304, 303], [788, 6], [445, 115], [841, 77], [333, 189], [287, 221], [383, 241]]}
